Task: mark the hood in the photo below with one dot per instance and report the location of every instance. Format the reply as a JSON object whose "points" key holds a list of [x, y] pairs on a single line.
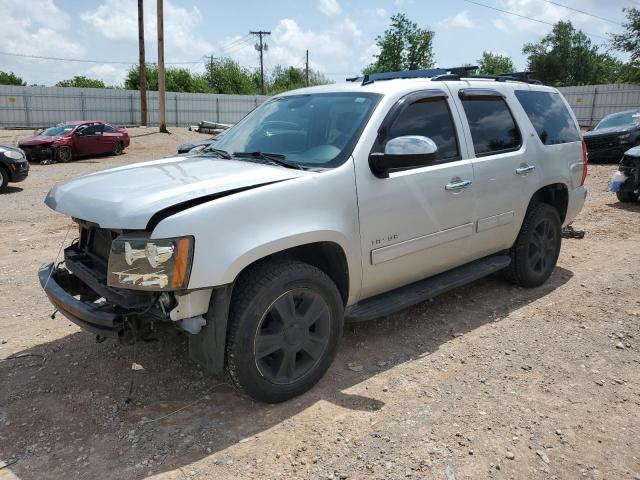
{"points": [[38, 140], [127, 197], [608, 131]]}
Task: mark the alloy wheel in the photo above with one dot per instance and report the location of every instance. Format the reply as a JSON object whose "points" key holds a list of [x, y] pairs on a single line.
{"points": [[292, 336], [542, 246]]}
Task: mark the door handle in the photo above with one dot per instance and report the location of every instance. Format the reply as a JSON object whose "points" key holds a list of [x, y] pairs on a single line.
{"points": [[459, 185], [525, 169]]}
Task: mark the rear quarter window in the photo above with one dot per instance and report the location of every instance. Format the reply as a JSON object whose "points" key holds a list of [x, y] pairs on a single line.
{"points": [[493, 129], [549, 116]]}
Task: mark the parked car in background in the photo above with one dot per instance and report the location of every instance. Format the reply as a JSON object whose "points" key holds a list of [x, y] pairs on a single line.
{"points": [[613, 135], [201, 145], [14, 166], [68, 140], [626, 180]]}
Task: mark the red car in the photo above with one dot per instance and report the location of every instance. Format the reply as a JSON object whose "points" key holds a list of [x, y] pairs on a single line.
{"points": [[73, 139]]}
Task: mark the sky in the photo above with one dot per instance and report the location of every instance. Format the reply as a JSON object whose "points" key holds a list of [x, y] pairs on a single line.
{"points": [[339, 34]]}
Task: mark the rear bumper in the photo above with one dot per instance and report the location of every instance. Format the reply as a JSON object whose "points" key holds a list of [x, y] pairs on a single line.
{"points": [[60, 286], [577, 198]]}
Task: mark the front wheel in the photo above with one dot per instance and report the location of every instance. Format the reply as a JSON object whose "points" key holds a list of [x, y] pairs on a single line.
{"points": [[118, 149], [627, 196], [536, 251], [285, 320], [64, 154]]}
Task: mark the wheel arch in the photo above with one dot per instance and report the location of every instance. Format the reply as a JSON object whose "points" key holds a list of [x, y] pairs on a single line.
{"points": [[554, 194]]}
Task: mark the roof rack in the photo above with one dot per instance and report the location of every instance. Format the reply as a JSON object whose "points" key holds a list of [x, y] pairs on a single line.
{"points": [[427, 73], [444, 74]]}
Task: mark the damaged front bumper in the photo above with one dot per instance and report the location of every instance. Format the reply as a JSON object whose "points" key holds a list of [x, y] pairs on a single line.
{"points": [[62, 287]]}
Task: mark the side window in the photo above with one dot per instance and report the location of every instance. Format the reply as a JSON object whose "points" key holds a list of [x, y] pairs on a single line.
{"points": [[90, 130], [429, 117], [493, 129], [549, 116], [109, 128]]}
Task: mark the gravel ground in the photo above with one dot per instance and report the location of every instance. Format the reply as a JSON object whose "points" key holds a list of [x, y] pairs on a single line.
{"points": [[488, 381]]}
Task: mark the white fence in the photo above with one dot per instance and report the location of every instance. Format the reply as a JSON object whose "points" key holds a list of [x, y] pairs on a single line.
{"points": [[44, 106], [591, 103]]}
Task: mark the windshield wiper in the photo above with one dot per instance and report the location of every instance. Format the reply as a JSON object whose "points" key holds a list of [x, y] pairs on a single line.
{"points": [[275, 158], [216, 151]]}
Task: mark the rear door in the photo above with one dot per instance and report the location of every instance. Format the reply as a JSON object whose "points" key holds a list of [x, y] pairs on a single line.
{"points": [[416, 222], [505, 167], [110, 137]]}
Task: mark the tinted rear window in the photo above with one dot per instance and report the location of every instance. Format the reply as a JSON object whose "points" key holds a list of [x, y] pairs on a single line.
{"points": [[492, 126], [549, 116]]}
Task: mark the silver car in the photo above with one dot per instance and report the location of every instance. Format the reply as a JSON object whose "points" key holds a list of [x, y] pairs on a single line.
{"points": [[332, 203]]}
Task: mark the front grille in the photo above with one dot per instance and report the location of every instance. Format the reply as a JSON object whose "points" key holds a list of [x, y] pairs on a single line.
{"points": [[37, 152], [601, 143], [96, 243]]}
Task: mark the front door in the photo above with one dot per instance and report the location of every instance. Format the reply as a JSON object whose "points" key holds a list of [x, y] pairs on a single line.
{"points": [[416, 222]]}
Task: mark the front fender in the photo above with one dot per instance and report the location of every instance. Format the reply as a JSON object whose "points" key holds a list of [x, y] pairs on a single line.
{"points": [[235, 231]]}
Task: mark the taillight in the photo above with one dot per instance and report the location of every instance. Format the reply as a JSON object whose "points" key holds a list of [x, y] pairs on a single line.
{"points": [[585, 159]]}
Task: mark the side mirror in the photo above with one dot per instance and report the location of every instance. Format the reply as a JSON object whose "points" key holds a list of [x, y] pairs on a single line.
{"points": [[410, 151]]}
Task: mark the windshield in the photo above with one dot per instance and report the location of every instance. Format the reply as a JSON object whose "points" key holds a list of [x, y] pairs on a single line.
{"points": [[313, 130], [57, 131], [626, 119]]}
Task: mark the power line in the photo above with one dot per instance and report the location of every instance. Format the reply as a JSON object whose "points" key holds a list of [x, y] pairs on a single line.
{"points": [[261, 47], [527, 18], [583, 12], [82, 60]]}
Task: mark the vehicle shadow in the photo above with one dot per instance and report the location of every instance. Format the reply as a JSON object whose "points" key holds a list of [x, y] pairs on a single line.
{"points": [[11, 189], [64, 410], [629, 207]]}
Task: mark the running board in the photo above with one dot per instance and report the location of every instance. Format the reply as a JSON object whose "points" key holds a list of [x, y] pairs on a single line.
{"points": [[409, 295]]}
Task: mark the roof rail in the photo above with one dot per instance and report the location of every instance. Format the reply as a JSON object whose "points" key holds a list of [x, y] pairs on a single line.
{"points": [[426, 73], [444, 74]]}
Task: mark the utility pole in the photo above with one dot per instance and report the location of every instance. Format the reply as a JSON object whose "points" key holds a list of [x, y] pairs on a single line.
{"points": [[161, 93], [211, 70], [141, 64], [261, 47], [306, 71]]}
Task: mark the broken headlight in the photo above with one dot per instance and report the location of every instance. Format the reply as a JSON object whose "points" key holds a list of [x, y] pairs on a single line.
{"points": [[150, 264]]}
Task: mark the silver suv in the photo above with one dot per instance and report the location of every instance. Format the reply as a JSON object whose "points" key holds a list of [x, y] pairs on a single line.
{"points": [[328, 204]]}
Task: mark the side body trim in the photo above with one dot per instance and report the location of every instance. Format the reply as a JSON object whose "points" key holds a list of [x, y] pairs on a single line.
{"points": [[494, 221]]}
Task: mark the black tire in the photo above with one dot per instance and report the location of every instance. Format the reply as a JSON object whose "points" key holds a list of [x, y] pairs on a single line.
{"points": [[4, 179], [627, 196], [118, 149], [257, 317], [64, 154], [536, 250]]}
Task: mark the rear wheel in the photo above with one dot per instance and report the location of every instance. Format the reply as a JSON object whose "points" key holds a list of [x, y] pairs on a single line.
{"points": [[627, 196], [118, 149], [536, 251], [4, 179], [285, 319], [64, 154]]}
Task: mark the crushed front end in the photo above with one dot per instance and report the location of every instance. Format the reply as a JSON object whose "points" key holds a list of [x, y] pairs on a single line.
{"points": [[119, 284]]}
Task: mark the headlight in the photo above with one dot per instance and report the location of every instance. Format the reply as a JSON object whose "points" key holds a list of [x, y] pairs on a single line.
{"points": [[13, 154], [144, 264]]}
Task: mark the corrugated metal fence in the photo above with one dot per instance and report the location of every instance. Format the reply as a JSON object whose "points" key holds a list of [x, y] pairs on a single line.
{"points": [[44, 106], [593, 102]]}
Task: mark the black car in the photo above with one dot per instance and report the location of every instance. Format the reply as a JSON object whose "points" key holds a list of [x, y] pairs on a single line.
{"points": [[187, 147], [14, 166], [613, 135]]}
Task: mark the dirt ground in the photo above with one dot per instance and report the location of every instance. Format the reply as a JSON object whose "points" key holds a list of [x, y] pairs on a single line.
{"points": [[489, 381]]}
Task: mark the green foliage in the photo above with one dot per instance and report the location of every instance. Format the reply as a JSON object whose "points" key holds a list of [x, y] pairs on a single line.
{"points": [[290, 78], [404, 46], [494, 64], [227, 76], [567, 57], [176, 80], [629, 42], [80, 81], [10, 78]]}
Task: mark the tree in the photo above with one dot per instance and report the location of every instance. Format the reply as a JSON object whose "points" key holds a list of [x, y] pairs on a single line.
{"points": [[227, 76], [494, 64], [176, 80], [567, 57], [629, 42], [404, 46], [10, 78], [80, 81], [283, 79]]}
